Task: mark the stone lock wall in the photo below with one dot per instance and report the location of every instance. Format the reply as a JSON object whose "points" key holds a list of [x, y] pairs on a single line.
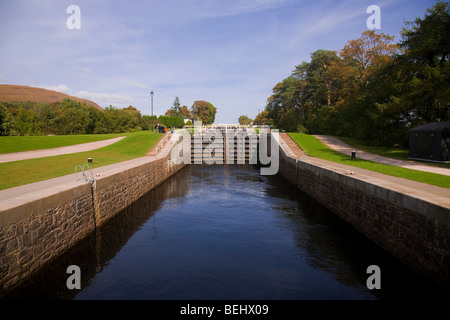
{"points": [[116, 192], [34, 233], [414, 230], [50, 227]]}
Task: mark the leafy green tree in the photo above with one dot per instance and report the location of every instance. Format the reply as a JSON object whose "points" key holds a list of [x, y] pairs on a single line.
{"points": [[149, 122], [318, 91], [47, 116], [26, 123], [244, 120], [284, 104], [93, 118], [204, 111], [362, 65], [425, 66], [185, 112], [175, 110], [414, 88], [72, 119], [171, 121], [262, 118], [6, 121], [133, 119], [109, 122], [333, 93], [3, 114]]}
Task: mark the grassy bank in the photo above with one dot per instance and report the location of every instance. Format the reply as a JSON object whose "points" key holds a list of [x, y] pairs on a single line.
{"points": [[18, 173], [389, 152], [316, 148], [27, 143]]}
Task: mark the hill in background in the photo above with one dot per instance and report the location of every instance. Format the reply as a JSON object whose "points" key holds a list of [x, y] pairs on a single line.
{"points": [[11, 93]]}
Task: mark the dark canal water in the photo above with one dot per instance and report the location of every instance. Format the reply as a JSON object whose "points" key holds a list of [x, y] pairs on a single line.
{"points": [[226, 232]]}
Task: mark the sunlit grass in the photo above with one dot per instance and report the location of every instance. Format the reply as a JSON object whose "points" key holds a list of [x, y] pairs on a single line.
{"points": [[315, 148], [389, 152], [17, 144], [22, 172]]}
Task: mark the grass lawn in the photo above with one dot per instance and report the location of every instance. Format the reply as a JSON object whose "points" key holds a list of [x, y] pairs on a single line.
{"points": [[316, 148], [18, 144], [18, 173], [396, 153]]}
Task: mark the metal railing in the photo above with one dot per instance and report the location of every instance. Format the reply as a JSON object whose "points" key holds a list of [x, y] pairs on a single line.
{"points": [[84, 178], [160, 145]]}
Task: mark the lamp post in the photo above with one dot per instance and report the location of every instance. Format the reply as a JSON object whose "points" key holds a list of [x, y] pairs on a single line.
{"points": [[151, 94]]}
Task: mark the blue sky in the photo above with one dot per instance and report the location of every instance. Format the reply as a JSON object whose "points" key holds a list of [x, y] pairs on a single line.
{"points": [[230, 53]]}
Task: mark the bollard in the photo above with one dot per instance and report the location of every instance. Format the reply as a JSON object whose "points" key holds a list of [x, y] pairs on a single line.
{"points": [[89, 160], [353, 155]]}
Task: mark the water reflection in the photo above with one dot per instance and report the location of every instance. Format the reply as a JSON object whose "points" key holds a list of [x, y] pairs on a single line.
{"points": [[334, 246], [226, 232]]}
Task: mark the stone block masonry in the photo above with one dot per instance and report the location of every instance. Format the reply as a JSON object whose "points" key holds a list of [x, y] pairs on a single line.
{"points": [[410, 220], [39, 223]]}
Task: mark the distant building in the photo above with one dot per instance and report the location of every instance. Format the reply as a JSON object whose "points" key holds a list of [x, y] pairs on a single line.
{"points": [[430, 142]]}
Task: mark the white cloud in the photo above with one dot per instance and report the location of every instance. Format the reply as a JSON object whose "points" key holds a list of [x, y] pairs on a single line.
{"points": [[105, 99], [59, 88]]}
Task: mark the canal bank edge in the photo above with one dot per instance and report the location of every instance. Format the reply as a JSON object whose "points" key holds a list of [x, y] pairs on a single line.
{"points": [[410, 220], [40, 225]]}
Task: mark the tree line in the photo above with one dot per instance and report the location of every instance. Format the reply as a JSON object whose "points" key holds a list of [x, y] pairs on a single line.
{"points": [[201, 110], [373, 89], [72, 117]]}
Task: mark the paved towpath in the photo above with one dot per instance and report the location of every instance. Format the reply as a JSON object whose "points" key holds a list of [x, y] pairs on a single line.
{"points": [[437, 195], [24, 155], [14, 197], [338, 145]]}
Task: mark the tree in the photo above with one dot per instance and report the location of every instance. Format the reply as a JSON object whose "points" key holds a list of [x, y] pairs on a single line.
{"points": [[175, 110], [373, 90], [416, 84], [6, 121], [26, 123], [185, 112], [72, 118], [245, 121], [333, 93], [133, 119], [171, 121], [369, 51], [284, 104], [94, 115], [203, 111], [149, 122], [318, 84], [318, 92], [427, 42], [47, 117], [362, 67], [262, 118], [425, 68]]}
